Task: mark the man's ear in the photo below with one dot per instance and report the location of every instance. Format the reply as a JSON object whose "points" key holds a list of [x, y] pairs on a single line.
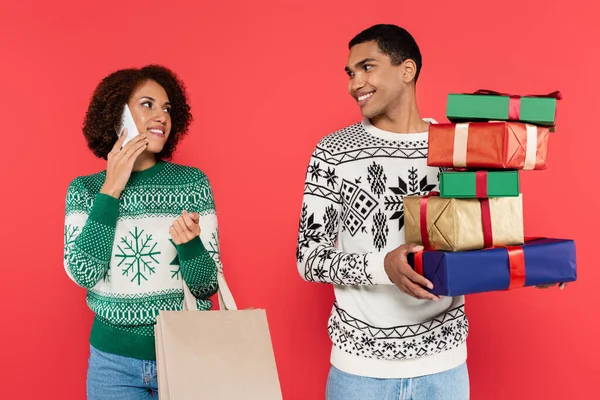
{"points": [[409, 71]]}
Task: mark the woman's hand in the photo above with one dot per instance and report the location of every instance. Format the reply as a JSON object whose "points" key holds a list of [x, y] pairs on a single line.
{"points": [[120, 163], [185, 228]]}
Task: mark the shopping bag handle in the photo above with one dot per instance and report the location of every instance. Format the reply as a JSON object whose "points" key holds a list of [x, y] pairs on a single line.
{"points": [[226, 301]]}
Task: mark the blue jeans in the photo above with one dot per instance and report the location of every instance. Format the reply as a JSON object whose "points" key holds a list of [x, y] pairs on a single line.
{"points": [[448, 385], [112, 377]]}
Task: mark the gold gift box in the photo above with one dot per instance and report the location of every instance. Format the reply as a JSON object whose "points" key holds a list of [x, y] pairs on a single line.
{"points": [[456, 224]]}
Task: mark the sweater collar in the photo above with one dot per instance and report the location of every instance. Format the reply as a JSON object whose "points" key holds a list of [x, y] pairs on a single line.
{"points": [[405, 137], [145, 175]]}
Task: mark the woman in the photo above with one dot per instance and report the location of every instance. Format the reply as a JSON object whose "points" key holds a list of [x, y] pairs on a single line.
{"points": [[133, 232]]}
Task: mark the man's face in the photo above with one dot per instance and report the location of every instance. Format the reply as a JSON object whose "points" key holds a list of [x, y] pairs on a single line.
{"points": [[375, 83]]}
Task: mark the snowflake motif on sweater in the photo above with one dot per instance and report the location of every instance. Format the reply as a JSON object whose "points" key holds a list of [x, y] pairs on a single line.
{"points": [[121, 251]]}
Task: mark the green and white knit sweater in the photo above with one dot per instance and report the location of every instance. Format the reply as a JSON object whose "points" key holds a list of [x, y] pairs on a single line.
{"points": [[121, 251]]}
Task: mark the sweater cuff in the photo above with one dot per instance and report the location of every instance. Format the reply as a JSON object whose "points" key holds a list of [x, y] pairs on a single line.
{"points": [[190, 250], [105, 210], [377, 269]]}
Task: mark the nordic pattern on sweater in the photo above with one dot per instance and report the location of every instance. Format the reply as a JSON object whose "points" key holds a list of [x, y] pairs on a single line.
{"points": [[352, 215], [120, 250]]}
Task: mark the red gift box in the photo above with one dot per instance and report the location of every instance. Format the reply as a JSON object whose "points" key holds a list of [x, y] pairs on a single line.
{"points": [[506, 145]]}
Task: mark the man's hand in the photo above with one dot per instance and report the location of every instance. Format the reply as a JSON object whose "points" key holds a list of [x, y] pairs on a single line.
{"points": [[561, 286], [402, 275]]}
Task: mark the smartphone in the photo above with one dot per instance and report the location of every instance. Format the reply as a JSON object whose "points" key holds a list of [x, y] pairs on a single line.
{"points": [[127, 122]]}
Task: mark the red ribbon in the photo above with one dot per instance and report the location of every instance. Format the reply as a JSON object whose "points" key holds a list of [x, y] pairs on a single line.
{"points": [[514, 108], [419, 263], [486, 221], [481, 185], [481, 182], [516, 265]]}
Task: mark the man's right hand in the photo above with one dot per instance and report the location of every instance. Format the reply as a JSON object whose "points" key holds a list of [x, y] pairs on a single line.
{"points": [[120, 163], [402, 275]]}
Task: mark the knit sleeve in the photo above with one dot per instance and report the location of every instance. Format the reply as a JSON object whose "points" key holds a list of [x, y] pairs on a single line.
{"points": [[318, 259], [89, 234], [199, 258]]}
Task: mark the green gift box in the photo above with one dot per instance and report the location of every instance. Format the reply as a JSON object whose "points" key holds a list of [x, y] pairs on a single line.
{"points": [[486, 105], [479, 184]]}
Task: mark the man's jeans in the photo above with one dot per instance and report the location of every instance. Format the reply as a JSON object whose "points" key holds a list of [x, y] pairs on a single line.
{"points": [[448, 385]]}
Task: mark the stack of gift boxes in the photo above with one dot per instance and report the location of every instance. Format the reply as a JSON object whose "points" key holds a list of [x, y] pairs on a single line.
{"points": [[472, 230]]}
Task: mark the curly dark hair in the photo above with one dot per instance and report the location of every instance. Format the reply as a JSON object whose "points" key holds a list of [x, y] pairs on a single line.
{"points": [[106, 108]]}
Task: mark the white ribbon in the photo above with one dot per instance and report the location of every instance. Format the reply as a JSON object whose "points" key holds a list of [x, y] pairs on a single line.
{"points": [[530, 147], [461, 136]]}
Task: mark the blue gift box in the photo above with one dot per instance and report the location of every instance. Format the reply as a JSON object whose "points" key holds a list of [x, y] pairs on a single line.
{"points": [[547, 261]]}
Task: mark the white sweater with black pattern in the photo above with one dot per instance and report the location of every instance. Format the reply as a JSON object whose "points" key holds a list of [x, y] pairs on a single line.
{"points": [[352, 215]]}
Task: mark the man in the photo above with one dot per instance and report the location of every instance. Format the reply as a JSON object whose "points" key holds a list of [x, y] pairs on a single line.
{"points": [[392, 339]]}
